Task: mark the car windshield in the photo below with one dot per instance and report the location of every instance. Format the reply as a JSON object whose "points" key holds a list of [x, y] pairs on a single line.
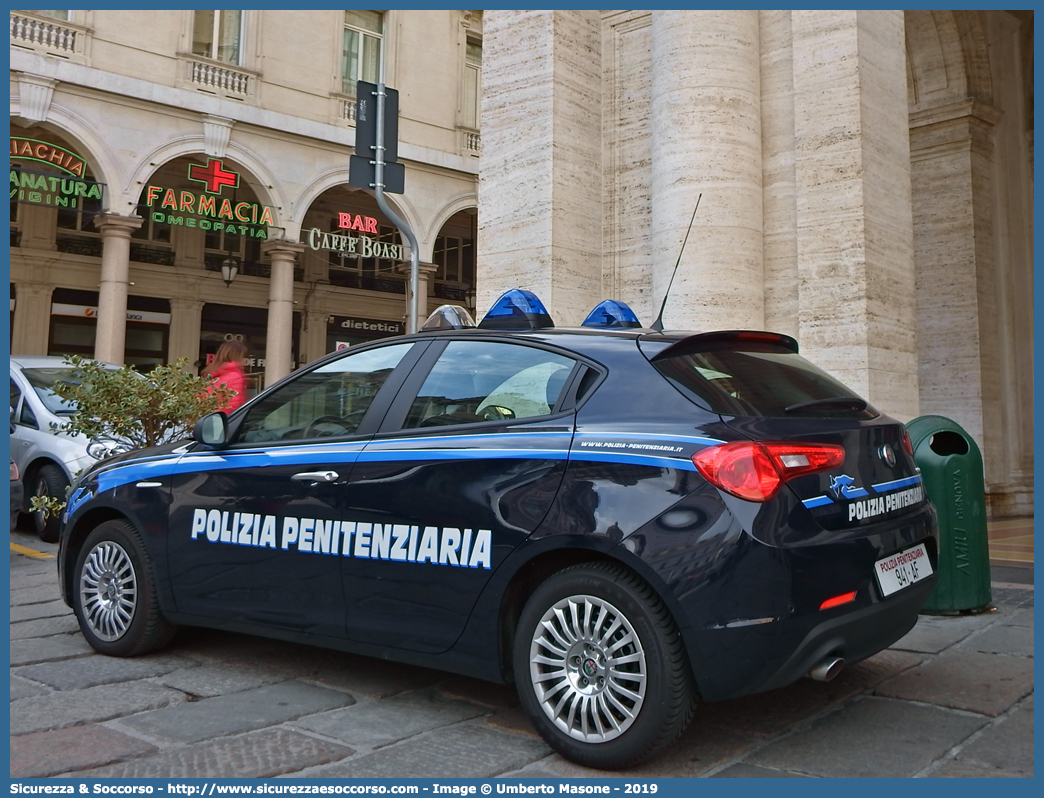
{"points": [[43, 380], [755, 379]]}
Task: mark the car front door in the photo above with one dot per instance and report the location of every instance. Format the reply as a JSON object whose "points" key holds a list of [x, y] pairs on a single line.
{"points": [[255, 531], [465, 467]]}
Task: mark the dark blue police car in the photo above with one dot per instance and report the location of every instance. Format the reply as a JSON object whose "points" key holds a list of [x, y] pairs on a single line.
{"points": [[618, 520]]}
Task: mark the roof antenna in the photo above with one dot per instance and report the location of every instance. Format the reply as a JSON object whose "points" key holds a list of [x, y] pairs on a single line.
{"points": [[657, 326]]}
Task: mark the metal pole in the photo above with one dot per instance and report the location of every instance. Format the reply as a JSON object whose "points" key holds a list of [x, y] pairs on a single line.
{"points": [[411, 326]]}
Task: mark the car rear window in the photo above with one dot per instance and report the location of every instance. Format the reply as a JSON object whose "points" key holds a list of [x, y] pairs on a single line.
{"points": [[751, 378]]}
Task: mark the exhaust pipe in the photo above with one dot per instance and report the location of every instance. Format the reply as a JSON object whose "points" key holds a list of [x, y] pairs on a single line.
{"points": [[827, 669]]}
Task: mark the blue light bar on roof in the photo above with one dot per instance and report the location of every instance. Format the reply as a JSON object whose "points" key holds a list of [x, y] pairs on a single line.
{"points": [[613, 315], [517, 309]]}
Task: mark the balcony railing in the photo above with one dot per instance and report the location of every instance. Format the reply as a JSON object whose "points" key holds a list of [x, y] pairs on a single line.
{"points": [[53, 35], [79, 245], [143, 253], [348, 110], [222, 79], [347, 279], [472, 142], [446, 291], [212, 262]]}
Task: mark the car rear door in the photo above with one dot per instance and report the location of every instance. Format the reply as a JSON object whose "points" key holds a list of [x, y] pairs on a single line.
{"points": [[466, 466]]}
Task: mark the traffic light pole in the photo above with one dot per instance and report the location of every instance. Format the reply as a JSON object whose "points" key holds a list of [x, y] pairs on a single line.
{"points": [[411, 326]]}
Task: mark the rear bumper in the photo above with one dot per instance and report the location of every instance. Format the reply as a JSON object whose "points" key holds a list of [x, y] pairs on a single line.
{"points": [[853, 636], [756, 624]]}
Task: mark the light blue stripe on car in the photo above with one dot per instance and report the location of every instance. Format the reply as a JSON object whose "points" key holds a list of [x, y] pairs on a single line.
{"points": [[457, 447], [694, 440], [819, 501], [882, 487], [885, 487]]}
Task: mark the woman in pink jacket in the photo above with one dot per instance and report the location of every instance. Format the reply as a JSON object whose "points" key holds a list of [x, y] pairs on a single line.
{"points": [[226, 370]]}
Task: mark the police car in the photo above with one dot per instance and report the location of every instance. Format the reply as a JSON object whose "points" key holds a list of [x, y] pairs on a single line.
{"points": [[616, 519]]}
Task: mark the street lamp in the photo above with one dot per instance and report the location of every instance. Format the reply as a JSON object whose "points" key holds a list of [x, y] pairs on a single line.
{"points": [[229, 269], [470, 298]]}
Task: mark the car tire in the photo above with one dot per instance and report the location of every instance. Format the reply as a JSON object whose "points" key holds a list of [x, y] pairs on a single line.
{"points": [[49, 481], [114, 593], [601, 668]]}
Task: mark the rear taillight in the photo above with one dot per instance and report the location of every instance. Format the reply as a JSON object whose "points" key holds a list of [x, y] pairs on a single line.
{"points": [[14, 471], [907, 443], [755, 470]]}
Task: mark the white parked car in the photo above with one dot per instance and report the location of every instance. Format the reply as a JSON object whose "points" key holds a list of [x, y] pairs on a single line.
{"points": [[46, 459]]}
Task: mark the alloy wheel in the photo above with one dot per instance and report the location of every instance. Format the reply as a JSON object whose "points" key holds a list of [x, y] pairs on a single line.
{"points": [[108, 590], [588, 668]]}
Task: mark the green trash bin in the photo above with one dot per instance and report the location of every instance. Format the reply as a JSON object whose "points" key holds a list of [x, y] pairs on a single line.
{"points": [[951, 466]]}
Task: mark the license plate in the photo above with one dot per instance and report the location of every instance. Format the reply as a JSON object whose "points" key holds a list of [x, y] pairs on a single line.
{"points": [[902, 569]]}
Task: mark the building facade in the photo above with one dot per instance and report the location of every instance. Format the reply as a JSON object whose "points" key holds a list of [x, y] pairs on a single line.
{"points": [[151, 148], [865, 182]]}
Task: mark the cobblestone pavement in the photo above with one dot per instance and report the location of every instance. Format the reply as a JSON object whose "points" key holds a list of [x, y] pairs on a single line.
{"points": [[954, 698]]}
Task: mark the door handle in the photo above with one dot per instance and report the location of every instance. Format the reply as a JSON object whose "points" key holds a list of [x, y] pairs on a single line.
{"points": [[316, 476]]}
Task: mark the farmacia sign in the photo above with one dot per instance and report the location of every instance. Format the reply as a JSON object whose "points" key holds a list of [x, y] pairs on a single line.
{"points": [[208, 210]]}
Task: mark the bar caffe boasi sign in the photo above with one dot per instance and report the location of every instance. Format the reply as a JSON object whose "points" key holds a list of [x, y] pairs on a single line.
{"points": [[34, 187], [359, 245], [208, 209]]}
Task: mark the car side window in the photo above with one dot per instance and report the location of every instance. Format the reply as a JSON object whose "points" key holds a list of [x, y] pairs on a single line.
{"points": [[475, 381], [25, 416], [329, 401], [16, 396]]}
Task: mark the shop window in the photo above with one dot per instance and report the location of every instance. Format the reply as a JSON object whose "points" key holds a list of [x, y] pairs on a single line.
{"points": [[151, 243], [76, 233], [220, 323], [16, 224], [472, 83], [79, 215], [455, 258], [361, 49], [218, 35], [74, 326], [219, 245], [152, 231]]}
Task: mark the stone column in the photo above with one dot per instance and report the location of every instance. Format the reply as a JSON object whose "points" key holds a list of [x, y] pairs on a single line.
{"points": [[857, 315], [779, 208], [279, 341], [32, 319], [425, 276], [960, 351], [540, 186], [706, 137], [112, 290], [185, 320]]}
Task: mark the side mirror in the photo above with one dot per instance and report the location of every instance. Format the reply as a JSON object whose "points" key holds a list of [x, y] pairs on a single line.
{"points": [[211, 430]]}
